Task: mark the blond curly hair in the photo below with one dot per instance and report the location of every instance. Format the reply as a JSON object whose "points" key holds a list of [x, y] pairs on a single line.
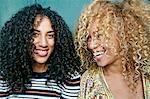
{"points": [[131, 20]]}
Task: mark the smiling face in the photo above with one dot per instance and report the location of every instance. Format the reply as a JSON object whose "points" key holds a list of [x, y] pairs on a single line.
{"points": [[104, 46], [44, 39]]}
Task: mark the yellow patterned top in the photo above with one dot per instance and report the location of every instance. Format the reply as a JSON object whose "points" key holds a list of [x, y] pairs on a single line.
{"points": [[94, 86]]}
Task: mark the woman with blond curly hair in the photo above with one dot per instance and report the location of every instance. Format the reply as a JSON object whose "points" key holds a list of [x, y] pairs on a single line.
{"points": [[112, 41]]}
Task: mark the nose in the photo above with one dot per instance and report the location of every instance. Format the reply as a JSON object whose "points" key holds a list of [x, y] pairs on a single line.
{"points": [[43, 42], [93, 44]]}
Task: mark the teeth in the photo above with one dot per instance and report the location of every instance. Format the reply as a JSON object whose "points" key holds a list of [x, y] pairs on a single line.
{"points": [[98, 53], [41, 52]]}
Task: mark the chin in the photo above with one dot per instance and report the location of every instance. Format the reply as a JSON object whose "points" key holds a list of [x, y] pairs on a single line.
{"points": [[41, 61], [101, 64]]}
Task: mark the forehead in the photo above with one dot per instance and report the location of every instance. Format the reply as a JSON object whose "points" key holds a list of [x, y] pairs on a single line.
{"points": [[39, 19], [105, 18], [99, 26], [94, 26], [104, 27]]}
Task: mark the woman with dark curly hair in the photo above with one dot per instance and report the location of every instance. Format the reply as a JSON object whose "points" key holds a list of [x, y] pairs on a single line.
{"points": [[112, 41], [37, 56]]}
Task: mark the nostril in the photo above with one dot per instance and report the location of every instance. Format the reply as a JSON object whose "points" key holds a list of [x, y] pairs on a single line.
{"points": [[95, 45], [43, 42]]}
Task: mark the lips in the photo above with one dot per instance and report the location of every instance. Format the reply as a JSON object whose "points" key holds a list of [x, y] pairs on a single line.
{"points": [[98, 55], [41, 53]]}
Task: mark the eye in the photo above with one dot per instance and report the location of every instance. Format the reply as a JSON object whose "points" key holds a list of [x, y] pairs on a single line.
{"points": [[89, 39], [98, 35], [50, 36], [35, 35]]}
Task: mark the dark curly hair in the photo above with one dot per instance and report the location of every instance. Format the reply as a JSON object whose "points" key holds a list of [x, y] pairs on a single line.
{"points": [[16, 39]]}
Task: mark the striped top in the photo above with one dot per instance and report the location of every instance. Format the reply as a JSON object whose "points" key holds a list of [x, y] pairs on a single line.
{"points": [[38, 89]]}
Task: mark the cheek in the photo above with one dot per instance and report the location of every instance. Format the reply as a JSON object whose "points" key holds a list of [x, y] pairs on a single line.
{"points": [[34, 41], [88, 46], [114, 48], [51, 43]]}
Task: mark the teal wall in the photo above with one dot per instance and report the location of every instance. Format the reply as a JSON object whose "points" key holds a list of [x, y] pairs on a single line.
{"points": [[68, 9]]}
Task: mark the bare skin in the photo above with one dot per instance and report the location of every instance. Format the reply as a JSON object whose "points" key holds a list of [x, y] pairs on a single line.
{"points": [[40, 68], [118, 85]]}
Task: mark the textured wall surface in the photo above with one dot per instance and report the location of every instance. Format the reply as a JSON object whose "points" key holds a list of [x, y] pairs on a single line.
{"points": [[68, 9]]}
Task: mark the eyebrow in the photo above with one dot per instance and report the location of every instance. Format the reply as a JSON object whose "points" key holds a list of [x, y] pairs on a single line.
{"points": [[39, 31]]}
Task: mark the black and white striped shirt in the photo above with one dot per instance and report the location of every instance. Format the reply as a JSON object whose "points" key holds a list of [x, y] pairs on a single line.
{"points": [[38, 89]]}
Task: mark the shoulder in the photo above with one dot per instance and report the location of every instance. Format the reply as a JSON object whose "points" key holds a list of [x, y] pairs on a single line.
{"points": [[4, 89], [73, 81], [89, 81], [71, 87], [146, 80], [84, 82], [84, 78], [89, 74], [146, 85]]}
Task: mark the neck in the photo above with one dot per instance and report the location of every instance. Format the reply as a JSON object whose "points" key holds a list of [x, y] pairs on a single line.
{"points": [[39, 68], [113, 69]]}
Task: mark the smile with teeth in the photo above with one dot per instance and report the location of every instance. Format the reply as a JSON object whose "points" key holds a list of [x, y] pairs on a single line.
{"points": [[41, 53], [98, 55]]}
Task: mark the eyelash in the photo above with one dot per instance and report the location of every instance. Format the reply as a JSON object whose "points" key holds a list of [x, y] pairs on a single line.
{"points": [[89, 39], [98, 36], [50, 36], [35, 35]]}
